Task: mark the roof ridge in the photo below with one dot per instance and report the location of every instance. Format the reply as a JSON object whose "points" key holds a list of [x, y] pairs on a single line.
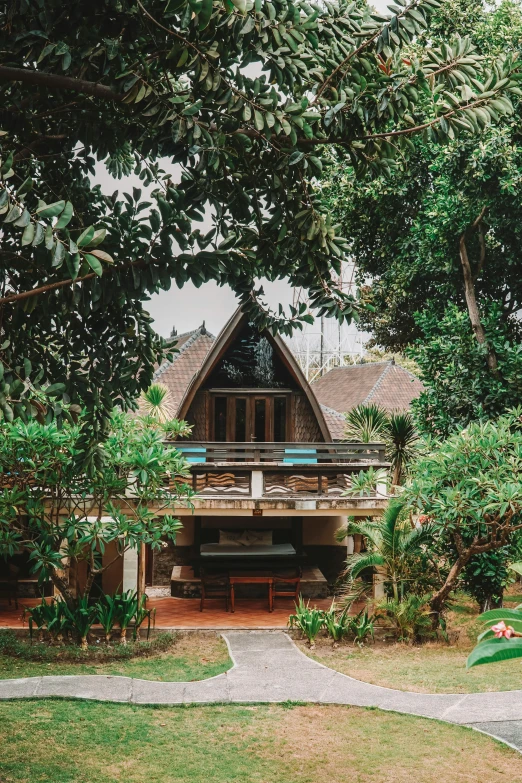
{"points": [[378, 382], [191, 340], [332, 411]]}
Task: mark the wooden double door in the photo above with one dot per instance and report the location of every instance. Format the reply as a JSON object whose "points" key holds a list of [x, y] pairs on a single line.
{"points": [[242, 418]]}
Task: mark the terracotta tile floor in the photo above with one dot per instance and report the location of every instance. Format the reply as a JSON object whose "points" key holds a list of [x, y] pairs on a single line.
{"points": [[181, 613]]}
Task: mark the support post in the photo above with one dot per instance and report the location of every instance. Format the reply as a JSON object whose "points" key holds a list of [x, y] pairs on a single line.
{"points": [[140, 581]]}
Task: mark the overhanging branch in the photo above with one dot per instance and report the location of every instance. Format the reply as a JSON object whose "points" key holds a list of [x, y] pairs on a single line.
{"points": [[58, 82]]}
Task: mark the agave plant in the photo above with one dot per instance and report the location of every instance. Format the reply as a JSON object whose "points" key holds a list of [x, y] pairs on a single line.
{"points": [[142, 614], [362, 627], [156, 402], [39, 616], [392, 542], [308, 621], [337, 623], [126, 605], [82, 617], [106, 614]]}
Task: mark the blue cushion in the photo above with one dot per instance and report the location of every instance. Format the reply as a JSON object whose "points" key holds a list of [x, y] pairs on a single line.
{"points": [[193, 451], [298, 460]]}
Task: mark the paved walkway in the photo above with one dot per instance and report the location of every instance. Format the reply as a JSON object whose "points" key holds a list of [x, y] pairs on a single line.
{"points": [[268, 667]]}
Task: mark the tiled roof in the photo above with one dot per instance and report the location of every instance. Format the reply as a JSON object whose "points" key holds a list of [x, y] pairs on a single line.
{"points": [[193, 348], [383, 383], [335, 422]]}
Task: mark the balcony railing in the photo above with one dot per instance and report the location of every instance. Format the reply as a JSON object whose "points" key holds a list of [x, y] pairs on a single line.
{"points": [[279, 469]]}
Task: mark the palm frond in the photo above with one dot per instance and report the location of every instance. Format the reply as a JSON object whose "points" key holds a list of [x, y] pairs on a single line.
{"points": [[359, 562], [156, 402], [366, 423], [402, 440]]}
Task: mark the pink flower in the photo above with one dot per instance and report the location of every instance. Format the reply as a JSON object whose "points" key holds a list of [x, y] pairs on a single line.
{"points": [[501, 629]]}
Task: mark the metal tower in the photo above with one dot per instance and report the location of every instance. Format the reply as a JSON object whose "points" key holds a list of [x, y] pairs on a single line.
{"points": [[326, 343]]}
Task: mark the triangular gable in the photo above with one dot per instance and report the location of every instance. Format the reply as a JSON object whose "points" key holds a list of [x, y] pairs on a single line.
{"points": [[224, 340]]}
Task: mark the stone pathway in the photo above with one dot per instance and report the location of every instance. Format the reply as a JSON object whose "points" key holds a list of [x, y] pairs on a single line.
{"points": [[268, 667]]}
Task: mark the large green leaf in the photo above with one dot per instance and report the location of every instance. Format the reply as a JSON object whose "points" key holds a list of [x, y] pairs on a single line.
{"points": [[495, 650]]}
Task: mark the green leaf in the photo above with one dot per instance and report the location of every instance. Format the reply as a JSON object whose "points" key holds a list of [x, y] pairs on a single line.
{"points": [[295, 157], [28, 235], [13, 214], [55, 389], [240, 5], [49, 238], [73, 264], [94, 264], [98, 237], [85, 237], [38, 235], [494, 650], [23, 220], [66, 216], [193, 108], [25, 187], [103, 256], [7, 165], [205, 14], [51, 210]]}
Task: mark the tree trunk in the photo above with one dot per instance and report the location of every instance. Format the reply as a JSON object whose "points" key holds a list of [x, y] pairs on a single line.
{"points": [[471, 301], [439, 598], [63, 587]]}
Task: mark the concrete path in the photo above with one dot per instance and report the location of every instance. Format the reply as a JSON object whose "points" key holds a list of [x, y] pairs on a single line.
{"points": [[269, 667]]}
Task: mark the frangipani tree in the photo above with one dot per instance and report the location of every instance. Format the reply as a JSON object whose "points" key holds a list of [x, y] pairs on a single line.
{"points": [[470, 489], [59, 513]]}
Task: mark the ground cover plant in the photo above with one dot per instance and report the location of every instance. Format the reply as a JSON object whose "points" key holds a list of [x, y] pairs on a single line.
{"points": [[180, 658], [108, 743], [433, 667]]}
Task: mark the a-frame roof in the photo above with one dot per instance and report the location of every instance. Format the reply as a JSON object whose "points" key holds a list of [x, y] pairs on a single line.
{"points": [[224, 339]]}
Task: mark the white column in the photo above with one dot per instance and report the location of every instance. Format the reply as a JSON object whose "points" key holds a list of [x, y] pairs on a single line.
{"points": [[130, 569], [257, 484]]}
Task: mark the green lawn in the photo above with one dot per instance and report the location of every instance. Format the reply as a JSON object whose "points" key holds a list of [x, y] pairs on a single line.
{"points": [[193, 657], [85, 742], [430, 668]]}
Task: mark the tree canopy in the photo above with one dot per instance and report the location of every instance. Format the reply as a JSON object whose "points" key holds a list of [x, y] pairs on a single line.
{"points": [[222, 109], [448, 228]]}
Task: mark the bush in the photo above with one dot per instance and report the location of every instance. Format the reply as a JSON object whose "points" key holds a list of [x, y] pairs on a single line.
{"points": [[14, 647], [411, 618]]}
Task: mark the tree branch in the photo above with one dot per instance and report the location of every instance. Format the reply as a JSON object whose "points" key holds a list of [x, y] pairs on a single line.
{"points": [[58, 82]]}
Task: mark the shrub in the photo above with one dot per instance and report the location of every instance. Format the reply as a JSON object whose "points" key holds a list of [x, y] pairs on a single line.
{"points": [[336, 623], [410, 617], [12, 646], [362, 626], [308, 621]]}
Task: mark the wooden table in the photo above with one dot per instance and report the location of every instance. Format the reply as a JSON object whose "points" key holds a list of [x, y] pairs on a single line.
{"points": [[251, 578]]}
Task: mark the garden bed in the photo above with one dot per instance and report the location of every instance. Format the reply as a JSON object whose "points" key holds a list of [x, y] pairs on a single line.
{"points": [[166, 657], [434, 667]]}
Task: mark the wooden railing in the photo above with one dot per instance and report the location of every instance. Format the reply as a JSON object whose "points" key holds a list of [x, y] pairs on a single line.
{"points": [[283, 453], [284, 469]]}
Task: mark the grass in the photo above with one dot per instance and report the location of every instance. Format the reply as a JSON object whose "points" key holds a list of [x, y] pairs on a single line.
{"points": [[190, 657], [431, 668], [84, 742]]}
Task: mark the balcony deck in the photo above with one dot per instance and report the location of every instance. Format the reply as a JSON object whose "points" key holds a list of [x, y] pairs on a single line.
{"points": [[281, 471]]}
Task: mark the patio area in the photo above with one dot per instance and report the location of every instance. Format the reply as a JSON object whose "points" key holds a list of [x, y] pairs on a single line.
{"points": [[183, 613]]}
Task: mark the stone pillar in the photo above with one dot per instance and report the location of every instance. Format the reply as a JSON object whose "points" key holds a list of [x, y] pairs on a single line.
{"points": [[378, 582]]}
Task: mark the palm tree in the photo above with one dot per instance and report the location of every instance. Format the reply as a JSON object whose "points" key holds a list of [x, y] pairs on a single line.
{"points": [[401, 444], [156, 402], [366, 423], [371, 423], [393, 543]]}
